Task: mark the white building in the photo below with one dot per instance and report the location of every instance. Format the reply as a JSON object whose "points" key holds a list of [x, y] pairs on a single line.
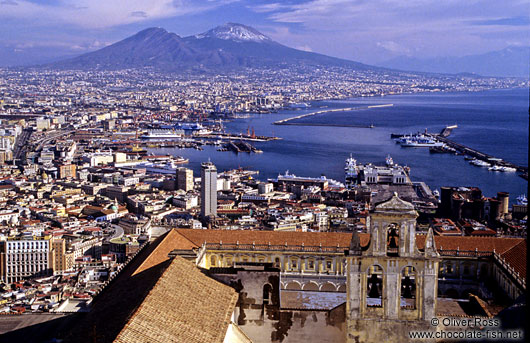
{"points": [[26, 257]]}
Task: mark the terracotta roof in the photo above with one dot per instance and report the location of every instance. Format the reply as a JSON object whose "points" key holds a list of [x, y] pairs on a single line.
{"points": [[184, 306], [113, 307], [516, 257], [482, 244], [197, 237], [172, 240], [330, 239]]}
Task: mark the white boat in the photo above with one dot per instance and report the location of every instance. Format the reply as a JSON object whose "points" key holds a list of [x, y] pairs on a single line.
{"points": [[169, 167], [495, 168], [480, 163], [350, 170], [508, 169], [389, 161], [162, 134], [522, 200], [421, 142]]}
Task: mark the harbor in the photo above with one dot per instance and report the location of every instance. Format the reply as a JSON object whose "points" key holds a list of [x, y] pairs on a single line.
{"points": [[439, 143]]}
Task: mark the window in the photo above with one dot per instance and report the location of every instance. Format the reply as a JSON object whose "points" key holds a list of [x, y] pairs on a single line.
{"points": [[408, 288], [311, 264], [267, 294], [374, 286], [294, 264], [213, 261], [392, 239], [329, 265]]}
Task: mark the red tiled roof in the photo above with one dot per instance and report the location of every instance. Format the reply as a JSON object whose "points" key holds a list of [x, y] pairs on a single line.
{"points": [[516, 258], [331, 239]]}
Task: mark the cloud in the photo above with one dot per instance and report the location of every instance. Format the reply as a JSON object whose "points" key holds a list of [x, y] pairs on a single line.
{"points": [[514, 21], [304, 48], [9, 2], [267, 7], [393, 47], [97, 14], [139, 14]]}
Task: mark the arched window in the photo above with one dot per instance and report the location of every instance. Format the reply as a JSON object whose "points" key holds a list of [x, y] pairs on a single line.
{"points": [[311, 286], [392, 245], [328, 287], [408, 288], [293, 286], [277, 262], [374, 286], [267, 294], [213, 261]]}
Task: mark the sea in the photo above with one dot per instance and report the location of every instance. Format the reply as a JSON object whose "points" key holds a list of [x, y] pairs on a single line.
{"points": [[493, 121]]}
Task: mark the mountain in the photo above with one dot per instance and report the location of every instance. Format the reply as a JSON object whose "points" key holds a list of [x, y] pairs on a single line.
{"points": [[511, 61], [228, 46]]}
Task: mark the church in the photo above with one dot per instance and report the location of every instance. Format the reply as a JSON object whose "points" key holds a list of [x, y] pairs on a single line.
{"points": [[245, 286]]}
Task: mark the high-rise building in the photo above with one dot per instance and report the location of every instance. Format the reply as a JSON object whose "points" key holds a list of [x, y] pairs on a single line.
{"points": [[25, 257], [208, 189], [185, 179]]}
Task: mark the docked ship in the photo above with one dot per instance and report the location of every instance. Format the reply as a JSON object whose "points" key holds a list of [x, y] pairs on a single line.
{"points": [[350, 170], [419, 141], [389, 161], [165, 167], [480, 163], [163, 134]]}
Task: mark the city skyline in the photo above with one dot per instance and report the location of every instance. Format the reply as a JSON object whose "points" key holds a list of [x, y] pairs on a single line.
{"points": [[366, 32]]}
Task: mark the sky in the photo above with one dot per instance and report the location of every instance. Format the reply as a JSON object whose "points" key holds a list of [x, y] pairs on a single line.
{"points": [[369, 31]]}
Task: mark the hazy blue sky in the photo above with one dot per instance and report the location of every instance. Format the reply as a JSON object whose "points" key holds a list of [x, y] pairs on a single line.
{"points": [[364, 30]]}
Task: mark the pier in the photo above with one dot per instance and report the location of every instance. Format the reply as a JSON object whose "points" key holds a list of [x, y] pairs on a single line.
{"points": [[241, 146], [478, 154], [285, 121]]}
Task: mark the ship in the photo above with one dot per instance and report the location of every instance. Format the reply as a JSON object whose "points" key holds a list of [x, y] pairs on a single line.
{"points": [[419, 141], [480, 163], [166, 167], [389, 161], [350, 170], [162, 134]]}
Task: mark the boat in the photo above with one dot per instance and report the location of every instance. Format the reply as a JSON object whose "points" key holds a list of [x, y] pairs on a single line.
{"points": [[522, 200], [508, 169], [350, 170], [420, 141], [480, 163], [389, 161], [169, 167], [495, 168], [299, 105], [469, 158], [162, 134]]}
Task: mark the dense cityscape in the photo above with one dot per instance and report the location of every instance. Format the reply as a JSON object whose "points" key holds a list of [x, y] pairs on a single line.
{"points": [[82, 198]]}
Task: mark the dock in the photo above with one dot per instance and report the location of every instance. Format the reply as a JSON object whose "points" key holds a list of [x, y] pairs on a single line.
{"points": [[448, 130], [285, 121], [478, 154], [241, 146]]}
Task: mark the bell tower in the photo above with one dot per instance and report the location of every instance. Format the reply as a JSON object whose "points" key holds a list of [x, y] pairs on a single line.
{"points": [[392, 286]]}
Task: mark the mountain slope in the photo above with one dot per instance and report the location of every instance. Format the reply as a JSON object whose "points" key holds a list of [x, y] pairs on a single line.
{"points": [[227, 46], [511, 61]]}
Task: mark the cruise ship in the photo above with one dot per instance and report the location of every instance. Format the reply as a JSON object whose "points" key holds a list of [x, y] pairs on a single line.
{"points": [[163, 134], [389, 161], [420, 141], [351, 172], [167, 167]]}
